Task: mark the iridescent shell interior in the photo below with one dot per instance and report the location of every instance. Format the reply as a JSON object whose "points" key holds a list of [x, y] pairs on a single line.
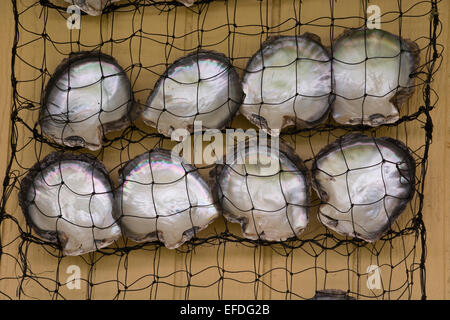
{"points": [[161, 198], [266, 192], [288, 82], [88, 96], [364, 184], [372, 76], [69, 201], [202, 86]]}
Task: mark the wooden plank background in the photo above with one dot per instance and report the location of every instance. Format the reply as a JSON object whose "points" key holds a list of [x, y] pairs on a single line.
{"points": [[203, 268]]}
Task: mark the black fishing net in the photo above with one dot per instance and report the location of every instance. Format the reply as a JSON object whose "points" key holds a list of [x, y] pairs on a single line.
{"points": [[145, 37]]}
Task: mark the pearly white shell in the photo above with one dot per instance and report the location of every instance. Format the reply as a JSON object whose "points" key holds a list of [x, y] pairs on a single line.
{"points": [[88, 96], [162, 198], [68, 199], [202, 86], [267, 192], [364, 184], [288, 82], [371, 91]]}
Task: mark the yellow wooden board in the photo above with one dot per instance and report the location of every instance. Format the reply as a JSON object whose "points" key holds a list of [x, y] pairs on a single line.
{"points": [[226, 269]]}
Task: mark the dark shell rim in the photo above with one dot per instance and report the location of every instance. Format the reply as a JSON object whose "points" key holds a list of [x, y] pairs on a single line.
{"points": [[216, 175], [188, 58], [82, 7], [125, 170], [332, 294], [76, 57], [41, 165], [388, 142], [189, 169], [298, 122]]}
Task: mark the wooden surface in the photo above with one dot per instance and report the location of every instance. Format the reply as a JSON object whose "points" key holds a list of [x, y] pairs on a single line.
{"points": [[437, 206], [170, 264]]}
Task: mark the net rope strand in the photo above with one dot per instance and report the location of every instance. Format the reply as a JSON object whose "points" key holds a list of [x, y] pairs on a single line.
{"points": [[210, 262]]}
